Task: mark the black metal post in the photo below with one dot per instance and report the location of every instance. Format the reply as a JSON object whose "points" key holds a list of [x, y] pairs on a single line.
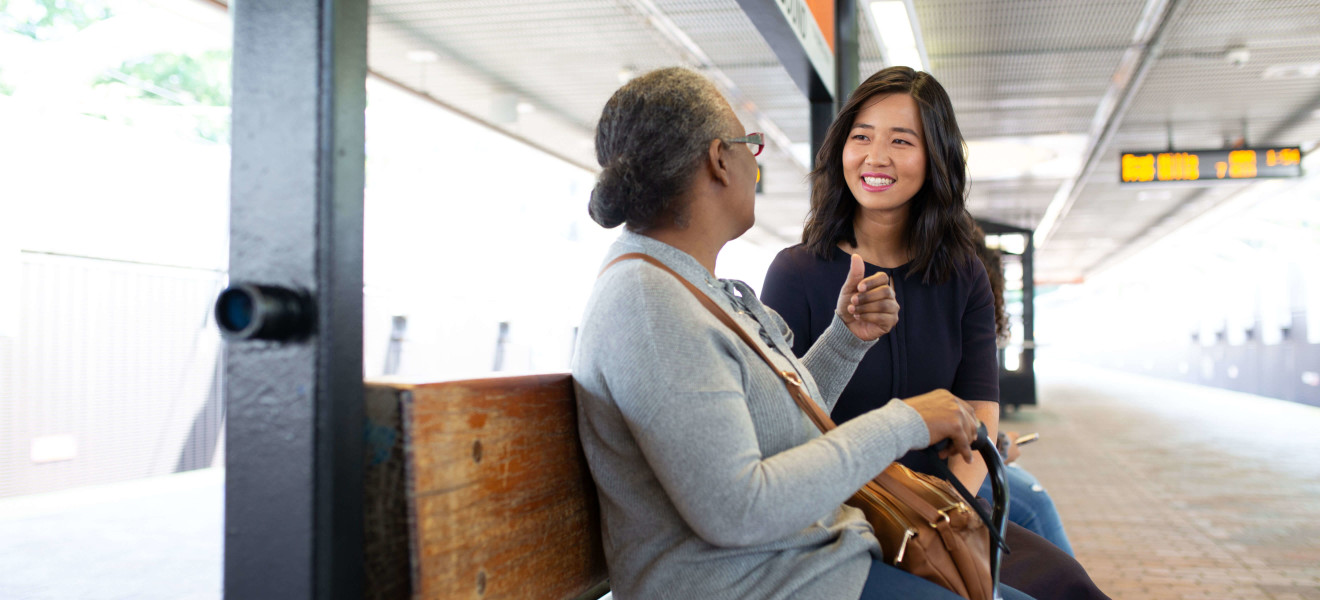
{"points": [[822, 114], [847, 56], [1029, 312], [293, 505], [791, 31]]}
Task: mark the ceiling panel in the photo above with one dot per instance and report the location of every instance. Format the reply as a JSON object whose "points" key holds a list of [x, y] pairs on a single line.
{"points": [[1013, 68], [1197, 96], [987, 27]]}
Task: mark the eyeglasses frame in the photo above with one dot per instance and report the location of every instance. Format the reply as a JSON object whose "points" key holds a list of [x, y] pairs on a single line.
{"points": [[757, 138]]}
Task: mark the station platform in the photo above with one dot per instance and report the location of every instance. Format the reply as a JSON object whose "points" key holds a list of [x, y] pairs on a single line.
{"points": [[1168, 491], [1177, 491]]}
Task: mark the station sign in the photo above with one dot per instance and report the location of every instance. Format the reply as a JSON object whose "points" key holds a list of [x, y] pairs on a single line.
{"points": [[1210, 165], [807, 20]]}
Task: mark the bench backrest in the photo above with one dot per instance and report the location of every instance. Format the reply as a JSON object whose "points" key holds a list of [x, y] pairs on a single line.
{"points": [[479, 489]]}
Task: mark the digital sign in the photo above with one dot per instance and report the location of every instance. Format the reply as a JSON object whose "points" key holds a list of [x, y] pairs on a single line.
{"points": [[1210, 165]]}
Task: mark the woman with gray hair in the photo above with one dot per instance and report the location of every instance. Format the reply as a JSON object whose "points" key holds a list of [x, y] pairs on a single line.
{"points": [[712, 482]]}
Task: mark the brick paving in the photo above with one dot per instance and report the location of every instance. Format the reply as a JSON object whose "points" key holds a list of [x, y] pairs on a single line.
{"points": [[1175, 491]]}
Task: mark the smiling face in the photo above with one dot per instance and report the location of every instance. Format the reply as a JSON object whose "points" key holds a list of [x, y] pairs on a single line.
{"points": [[884, 158]]}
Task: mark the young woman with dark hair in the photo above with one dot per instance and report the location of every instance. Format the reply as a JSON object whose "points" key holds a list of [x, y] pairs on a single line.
{"points": [[889, 185]]}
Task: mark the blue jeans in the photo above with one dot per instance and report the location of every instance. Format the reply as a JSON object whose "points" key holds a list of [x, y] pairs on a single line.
{"points": [[1030, 506], [891, 583]]}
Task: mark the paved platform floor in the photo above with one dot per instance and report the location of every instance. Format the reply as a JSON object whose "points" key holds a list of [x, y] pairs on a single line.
{"points": [[158, 538], [1174, 491], [1168, 491]]}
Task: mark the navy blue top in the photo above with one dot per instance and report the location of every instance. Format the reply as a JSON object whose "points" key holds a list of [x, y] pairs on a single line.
{"points": [[945, 336]]}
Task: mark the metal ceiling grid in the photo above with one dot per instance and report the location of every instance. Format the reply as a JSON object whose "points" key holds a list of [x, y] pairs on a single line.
{"points": [[1014, 202], [1258, 99], [1184, 205], [996, 27], [729, 39], [1236, 99], [1194, 96], [1216, 24], [1009, 94], [1231, 95], [722, 30], [563, 56], [1006, 61], [1116, 207], [1030, 94], [468, 90]]}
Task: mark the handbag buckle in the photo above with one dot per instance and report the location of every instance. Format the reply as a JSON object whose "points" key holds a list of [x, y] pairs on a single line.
{"points": [[944, 513], [791, 377]]}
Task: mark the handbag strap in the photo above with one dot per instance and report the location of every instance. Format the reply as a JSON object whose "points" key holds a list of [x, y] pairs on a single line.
{"points": [[791, 379]]}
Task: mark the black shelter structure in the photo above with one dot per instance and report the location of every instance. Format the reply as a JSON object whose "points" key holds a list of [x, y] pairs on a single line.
{"points": [[1017, 357]]}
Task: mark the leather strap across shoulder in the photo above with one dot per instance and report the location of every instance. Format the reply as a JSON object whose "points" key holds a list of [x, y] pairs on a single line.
{"points": [[799, 392], [791, 379]]}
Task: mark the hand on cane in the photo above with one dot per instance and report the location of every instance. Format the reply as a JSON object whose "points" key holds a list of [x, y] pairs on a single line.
{"points": [[867, 305], [947, 417]]}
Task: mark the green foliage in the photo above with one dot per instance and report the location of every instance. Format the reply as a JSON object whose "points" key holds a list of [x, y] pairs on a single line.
{"points": [[181, 80], [5, 88], [177, 78], [51, 19]]}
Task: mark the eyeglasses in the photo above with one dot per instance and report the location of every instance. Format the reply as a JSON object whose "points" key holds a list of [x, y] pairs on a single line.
{"points": [[755, 142]]}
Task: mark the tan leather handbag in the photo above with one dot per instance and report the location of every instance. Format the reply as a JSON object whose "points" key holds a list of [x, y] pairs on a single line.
{"points": [[924, 526]]}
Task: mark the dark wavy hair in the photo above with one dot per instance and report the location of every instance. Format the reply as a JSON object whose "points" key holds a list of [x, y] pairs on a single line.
{"points": [[652, 135], [938, 233]]}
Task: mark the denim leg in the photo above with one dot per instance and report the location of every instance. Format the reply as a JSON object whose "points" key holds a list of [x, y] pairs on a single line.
{"points": [[886, 582], [891, 583], [1030, 506]]}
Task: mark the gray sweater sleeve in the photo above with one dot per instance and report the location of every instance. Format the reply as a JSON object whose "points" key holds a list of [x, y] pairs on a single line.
{"points": [[833, 359], [683, 385]]}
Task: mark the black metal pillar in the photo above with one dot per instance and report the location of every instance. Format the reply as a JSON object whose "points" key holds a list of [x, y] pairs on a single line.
{"points": [[847, 56], [293, 505], [822, 114], [1029, 311]]}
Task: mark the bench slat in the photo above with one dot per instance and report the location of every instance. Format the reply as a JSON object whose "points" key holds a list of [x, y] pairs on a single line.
{"points": [[498, 495]]}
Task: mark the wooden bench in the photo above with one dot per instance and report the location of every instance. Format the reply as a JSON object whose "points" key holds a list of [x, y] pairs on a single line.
{"points": [[479, 489]]}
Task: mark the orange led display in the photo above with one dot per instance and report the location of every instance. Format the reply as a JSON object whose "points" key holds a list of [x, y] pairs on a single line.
{"points": [[1199, 165], [1138, 167]]}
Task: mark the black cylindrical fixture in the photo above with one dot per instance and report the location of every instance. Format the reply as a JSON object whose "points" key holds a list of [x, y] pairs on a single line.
{"points": [[246, 311]]}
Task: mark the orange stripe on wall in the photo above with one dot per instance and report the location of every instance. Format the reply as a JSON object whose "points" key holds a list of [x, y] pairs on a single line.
{"points": [[823, 11]]}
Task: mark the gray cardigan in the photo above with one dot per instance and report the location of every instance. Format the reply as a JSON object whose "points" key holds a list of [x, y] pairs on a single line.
{"points": [[713, 483]]}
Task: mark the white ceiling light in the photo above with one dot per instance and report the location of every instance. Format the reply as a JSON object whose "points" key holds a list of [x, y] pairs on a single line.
{"points": [[894, 23], [1291, 71]]}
